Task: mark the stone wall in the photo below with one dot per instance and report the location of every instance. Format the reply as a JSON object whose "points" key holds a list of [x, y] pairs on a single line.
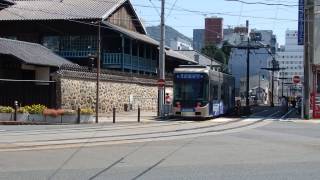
{"points": [[78, 89]]}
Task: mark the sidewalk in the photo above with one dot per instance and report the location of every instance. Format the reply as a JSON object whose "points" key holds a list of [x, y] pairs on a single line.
{"points": [[130, 116]]}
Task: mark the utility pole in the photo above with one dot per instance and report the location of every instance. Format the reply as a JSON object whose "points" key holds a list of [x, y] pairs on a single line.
{"points": [[162, 59], [272, 86], [98, 72], [274, 67], [248, 78], [259, 87], [308, 9], [248, 46]]}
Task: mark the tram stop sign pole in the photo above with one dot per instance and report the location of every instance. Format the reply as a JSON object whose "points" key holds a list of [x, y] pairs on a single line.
{"points": [[296, 79], [161, 83], [161, 86]]}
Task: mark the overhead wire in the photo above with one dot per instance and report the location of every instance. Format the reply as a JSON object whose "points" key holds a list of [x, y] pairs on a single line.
{"points": [[170, 11], [203, 13], [264, 3], [154, 6]]}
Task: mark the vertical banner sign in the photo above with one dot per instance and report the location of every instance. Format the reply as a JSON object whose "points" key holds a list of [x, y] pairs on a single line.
{"points": [[301, 23]]}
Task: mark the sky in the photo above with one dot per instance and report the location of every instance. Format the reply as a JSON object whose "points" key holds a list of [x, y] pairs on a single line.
{"points": [[262, 17]]}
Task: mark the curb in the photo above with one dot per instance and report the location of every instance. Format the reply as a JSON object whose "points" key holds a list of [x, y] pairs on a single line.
{"points": [[22, 123]]}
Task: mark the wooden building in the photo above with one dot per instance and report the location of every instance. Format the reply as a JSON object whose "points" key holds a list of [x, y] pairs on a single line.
{"points": [[25, 73], [70, 28]]}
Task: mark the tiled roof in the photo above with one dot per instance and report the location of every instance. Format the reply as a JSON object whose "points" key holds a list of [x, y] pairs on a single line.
{"points": [[203, 59], [7, 2], [132, 34], [60, 9], [31, 53], [149, 40], [177, 55]]}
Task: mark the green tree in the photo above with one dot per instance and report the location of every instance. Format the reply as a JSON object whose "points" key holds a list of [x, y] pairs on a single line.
{"points": [[214, 52], [226, 48], [220, 56]]}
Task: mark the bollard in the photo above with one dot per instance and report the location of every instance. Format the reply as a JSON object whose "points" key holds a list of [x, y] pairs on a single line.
{"points": [[78, 118], [15, 110], [114, 115], [138, 114]]}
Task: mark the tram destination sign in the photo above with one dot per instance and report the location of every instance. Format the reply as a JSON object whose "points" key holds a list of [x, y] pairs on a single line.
{"points": [[189, 76]]}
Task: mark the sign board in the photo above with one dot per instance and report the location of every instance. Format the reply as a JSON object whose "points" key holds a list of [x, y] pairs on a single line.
{"points": [[161, 83], [301, 23], [296, 79], [189, 76]]}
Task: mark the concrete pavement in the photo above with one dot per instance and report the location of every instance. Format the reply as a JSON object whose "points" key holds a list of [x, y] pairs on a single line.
{"points": [[130, 116], [277, 150], [258, 147]]}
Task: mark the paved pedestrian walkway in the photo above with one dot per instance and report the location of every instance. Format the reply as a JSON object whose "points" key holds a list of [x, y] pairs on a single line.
{"points": [[130, 116]]}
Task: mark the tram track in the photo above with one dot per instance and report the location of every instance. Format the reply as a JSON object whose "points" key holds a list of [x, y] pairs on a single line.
{"points": [[90, 129], [95, 141], [132, 134]]}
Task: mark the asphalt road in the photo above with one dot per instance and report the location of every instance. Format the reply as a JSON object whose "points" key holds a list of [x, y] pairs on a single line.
{"points": [[257, 147]]}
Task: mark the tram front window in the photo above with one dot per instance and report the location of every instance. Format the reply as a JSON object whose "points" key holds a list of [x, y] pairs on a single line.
{"points": [[190, 91]]}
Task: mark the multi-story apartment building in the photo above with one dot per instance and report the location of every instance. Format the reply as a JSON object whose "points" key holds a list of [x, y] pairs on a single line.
{"points": [[198, 39], [235, 35], [213, 30], [290, 57]]}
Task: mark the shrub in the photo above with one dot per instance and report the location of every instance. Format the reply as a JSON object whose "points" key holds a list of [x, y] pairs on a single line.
{"points": [[35, 109], [86, 111], [6, 109], [22, 110]]}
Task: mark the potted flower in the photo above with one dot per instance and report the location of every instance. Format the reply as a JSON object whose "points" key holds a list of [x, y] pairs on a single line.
{"points": [[86, 115], [53, 115], [6, 113], [36, 112], [22, 114], [69, 116]]}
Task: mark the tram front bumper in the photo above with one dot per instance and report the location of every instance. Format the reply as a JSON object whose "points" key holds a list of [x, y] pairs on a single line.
{"points": [[194, 112]]}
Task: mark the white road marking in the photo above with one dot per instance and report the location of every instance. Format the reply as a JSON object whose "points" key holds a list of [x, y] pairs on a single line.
{"points": [[283, 117]]}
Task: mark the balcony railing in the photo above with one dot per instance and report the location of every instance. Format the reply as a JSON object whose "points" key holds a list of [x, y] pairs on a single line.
{"points": [[114, 60], [75, 54]]}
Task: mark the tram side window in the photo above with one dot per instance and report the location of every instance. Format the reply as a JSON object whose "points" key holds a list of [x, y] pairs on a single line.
{"points": [[222, 92], [214, 91]]}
